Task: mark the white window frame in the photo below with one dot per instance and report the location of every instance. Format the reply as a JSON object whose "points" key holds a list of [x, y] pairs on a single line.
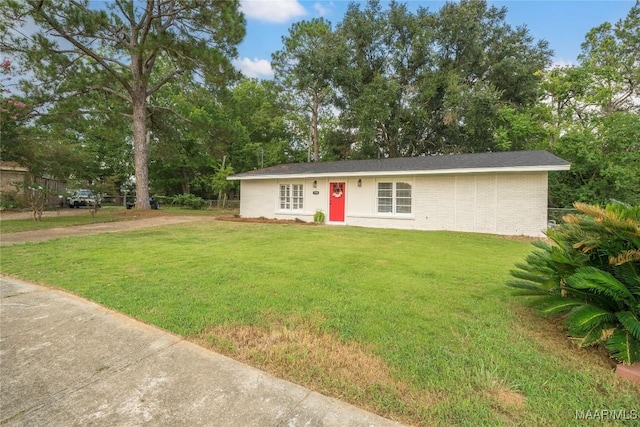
{"points": [[393, 199], [290, 197]]}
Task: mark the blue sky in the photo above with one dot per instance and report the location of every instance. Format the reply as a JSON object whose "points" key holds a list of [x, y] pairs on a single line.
{"points": [[563, 23]]}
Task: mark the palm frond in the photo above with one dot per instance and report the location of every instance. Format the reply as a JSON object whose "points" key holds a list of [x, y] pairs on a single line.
{"points": [[629, 274], [626, 256], [591, 210], [585, 317], [541, 244], [623, 346], [528, 288], [554, 304], [596, 335], [600, 282], [591, 269], [542, 279], [631, 322]]}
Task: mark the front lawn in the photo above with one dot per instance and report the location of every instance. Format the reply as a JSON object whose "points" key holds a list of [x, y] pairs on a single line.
{"points": [[416, 326], [71, 217]]}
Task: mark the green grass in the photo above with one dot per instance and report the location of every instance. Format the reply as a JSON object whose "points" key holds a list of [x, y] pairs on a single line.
{"points": [[417, 326], [62, 218], [84, 216]]}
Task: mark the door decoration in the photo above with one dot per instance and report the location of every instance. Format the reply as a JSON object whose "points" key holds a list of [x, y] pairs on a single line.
{"points": [[337, 190]]}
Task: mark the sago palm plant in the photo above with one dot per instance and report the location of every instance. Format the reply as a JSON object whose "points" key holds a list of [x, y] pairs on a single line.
{"points": [[591, 274]]}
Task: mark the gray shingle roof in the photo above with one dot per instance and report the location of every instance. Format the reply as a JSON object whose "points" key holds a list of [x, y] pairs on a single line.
{"points": [[525, 160]]}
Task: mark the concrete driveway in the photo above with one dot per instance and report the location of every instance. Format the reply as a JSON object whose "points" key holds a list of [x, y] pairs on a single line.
{"points": [[65, 361]]}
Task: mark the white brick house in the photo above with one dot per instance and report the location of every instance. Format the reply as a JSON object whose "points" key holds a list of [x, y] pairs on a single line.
{"points": [[499, 193]]}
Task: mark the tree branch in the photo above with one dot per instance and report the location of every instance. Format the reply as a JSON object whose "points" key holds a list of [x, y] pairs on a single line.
{"points": [[128, 13], [162, 82], [111, 91], [146, 21], [64, 34], [171, 110]]}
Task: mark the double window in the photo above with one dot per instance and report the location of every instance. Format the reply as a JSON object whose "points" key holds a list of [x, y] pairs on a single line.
{"points": [[394, 198], [291, 197]]}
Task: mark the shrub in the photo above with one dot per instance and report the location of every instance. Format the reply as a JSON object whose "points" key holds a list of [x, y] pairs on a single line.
{"points": [[10, 200], [318, 217], [190, 201], [591, 275]]}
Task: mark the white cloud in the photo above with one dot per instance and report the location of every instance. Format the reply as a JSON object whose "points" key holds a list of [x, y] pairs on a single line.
{"points": [[562, 63], [321, 9], [254, 68], [277, 11]]}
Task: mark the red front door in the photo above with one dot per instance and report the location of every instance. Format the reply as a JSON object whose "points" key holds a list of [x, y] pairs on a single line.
{"points": [[336, 201]]}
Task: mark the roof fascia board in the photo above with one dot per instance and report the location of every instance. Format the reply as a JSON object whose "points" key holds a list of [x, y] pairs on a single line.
{"points": [[545, 168]]}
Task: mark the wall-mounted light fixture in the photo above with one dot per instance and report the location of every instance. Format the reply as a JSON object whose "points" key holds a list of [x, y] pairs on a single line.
{"points": [[359, 183], [315, 184]]}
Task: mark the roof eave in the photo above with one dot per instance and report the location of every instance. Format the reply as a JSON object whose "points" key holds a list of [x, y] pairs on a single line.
{"points": [[539, 168]]}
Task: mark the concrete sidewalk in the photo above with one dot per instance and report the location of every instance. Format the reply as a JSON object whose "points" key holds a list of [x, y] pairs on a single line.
{"points": [[65, 361]]}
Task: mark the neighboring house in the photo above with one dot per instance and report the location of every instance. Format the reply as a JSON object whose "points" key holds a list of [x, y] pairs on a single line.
{"points": [[14, 179], [499, 193]]}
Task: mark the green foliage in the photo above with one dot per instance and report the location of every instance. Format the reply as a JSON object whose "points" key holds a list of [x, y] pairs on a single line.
{"points": [[219, 180], [431, 307], [189, 201], [117, 50], [610, 54], [12, 111], [604, 157], [265, 139], [424, 83], [594, 120], [388, 80], [319, 217], [304, 69], [592, 273], [10, 200]]}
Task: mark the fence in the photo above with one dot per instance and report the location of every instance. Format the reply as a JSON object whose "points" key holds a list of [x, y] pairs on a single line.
{"points": [[229, 204], [554, 215]]}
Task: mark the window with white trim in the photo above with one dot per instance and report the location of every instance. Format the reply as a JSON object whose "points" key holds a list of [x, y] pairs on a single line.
{"points": [[394, 198], [291, 197]]}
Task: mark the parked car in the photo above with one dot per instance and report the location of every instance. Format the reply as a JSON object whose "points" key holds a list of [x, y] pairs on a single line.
{"points": [[82, 198], [152, 201]]}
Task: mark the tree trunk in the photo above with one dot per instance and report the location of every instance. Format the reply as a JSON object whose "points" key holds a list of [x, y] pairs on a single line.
{"points": [[141, 150], [314, 126], [186, 183]]}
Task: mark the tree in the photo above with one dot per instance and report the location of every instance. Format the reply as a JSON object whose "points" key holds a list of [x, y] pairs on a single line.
{"points": [[426, 83], [604, 160], [594, 117], [305, 66], [184, 146], [13, 113], [100, 140], [254, 106], [30, 146], [387, 52], [78, 49], [610, 53]]}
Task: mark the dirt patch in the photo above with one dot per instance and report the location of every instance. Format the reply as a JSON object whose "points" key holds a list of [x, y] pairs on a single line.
{"points": [[137, 222], [550, 333], [296, 348], [263, 220], [506, 403], [27, 214], [504, 397]]}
